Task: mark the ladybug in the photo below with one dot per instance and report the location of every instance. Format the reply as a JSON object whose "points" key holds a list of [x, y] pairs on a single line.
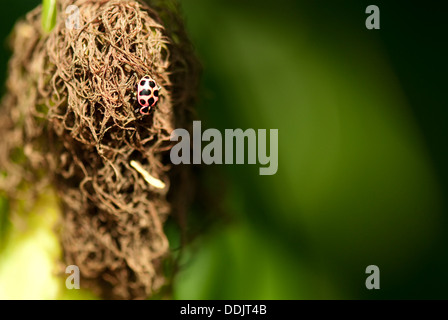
{"points": [[147, 94]]}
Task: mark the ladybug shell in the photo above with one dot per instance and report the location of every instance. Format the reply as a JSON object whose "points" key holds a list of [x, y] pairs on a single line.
{"points": [[147, 94]]}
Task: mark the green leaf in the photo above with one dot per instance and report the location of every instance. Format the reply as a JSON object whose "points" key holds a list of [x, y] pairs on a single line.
{"points": [[48, 15]]}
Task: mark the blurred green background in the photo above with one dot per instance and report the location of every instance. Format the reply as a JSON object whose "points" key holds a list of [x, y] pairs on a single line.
{"points": [[362, 176]]}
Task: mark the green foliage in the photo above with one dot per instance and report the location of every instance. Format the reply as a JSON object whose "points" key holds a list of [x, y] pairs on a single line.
{"points": [[354, 185], [49, 14], [4, 221]]}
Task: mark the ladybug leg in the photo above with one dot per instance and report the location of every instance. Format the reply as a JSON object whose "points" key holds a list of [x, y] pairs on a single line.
{"points": [[134, 102]]}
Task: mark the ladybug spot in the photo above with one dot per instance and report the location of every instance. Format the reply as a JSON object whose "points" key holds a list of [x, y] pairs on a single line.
{"points": [[152, 84], [142, 83], [145, 92], [151, 101], [146, 77], [142, 102], [144, 110], [156, 93]]}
